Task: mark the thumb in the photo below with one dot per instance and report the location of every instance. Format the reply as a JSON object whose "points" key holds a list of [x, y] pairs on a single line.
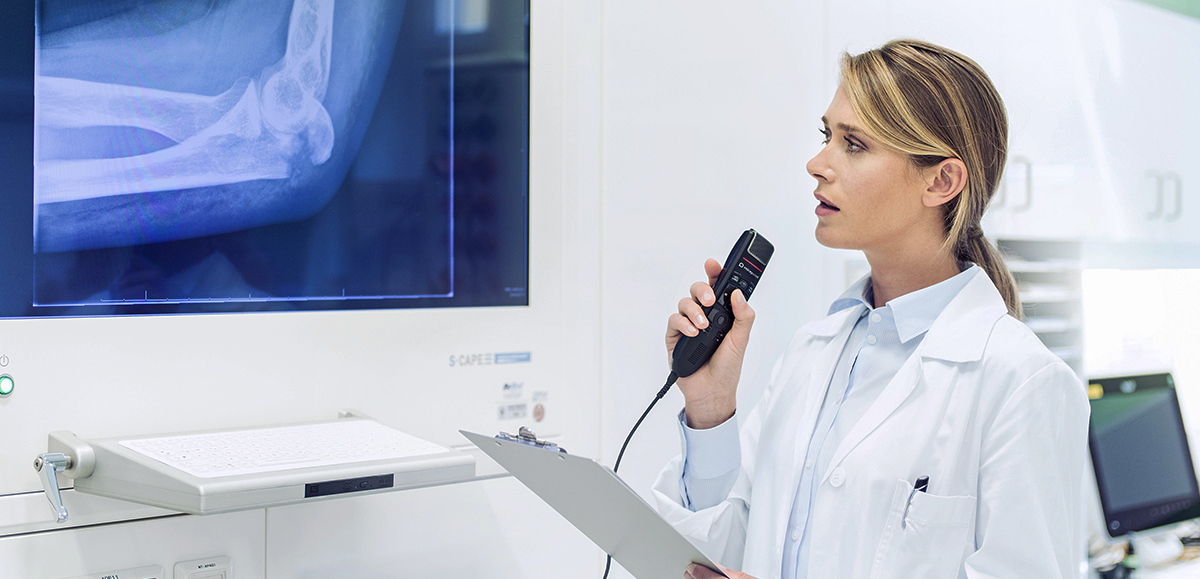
{"points": [[743, 319]]}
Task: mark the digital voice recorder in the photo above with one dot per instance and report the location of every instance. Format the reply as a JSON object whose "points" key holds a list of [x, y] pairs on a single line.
{"points": [[743, 269]]}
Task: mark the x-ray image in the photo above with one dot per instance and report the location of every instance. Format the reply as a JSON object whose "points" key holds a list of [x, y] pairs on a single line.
{"points": [[228, 155], [223, 114]]}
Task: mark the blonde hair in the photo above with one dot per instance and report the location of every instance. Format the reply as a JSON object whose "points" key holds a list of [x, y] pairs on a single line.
{"points": [[932, 103]]}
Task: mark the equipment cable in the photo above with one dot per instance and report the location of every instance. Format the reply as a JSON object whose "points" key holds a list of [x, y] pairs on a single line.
{"points": [[670, 382]]}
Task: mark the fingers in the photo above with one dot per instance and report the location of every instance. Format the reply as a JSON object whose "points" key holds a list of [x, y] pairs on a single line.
{"points": [[695, 571], [678, 324], [713, 268], [703, 293], [692, 312]]}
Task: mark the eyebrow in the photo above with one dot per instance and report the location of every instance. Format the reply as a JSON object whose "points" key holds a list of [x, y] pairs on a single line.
{"points": [[842, 126]]}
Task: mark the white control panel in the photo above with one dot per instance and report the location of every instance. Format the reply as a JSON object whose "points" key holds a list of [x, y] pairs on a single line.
{"points": [[148, 572], [210, 568]]}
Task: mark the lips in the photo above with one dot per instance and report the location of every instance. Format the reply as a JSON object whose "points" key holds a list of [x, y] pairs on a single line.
{"points": [[825, 204]]}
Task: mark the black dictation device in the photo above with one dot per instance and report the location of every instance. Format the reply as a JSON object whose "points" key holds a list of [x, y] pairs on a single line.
{"points": [[743, 269]]}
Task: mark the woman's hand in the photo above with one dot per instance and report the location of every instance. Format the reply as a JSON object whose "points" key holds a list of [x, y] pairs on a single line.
{"points": [[710, 395], [695, 571]]}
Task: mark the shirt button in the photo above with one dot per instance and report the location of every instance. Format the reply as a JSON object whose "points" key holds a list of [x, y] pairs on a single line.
{"points": [[871, 340], [808, 464], [876, 317], [795, 535], [837, 477]]}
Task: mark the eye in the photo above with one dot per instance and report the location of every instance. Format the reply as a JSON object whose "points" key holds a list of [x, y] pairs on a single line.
{"points": [[826, 135], [853, 146]]}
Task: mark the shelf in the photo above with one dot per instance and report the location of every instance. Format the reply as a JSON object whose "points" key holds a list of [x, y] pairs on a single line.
{"points": [[1043, 295], [1018, 266], [1049, 274], [1052, 325], [1068, 354]]}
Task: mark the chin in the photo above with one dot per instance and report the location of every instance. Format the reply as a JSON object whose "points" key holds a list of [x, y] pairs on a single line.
{"points": [[832, 240]]}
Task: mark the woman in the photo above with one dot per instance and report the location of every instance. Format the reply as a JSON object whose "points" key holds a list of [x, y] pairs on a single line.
{"points": [[920, 430]]}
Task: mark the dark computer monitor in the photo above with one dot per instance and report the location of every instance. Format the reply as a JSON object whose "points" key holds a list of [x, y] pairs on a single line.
{"points": [[1140, 454]]}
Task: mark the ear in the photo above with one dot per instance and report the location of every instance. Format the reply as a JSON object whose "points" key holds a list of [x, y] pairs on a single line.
{"points": [[946, 180]]}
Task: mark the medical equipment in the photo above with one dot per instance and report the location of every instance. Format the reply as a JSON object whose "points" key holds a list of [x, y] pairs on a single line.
{"points": [[229, 470], [1142, 460]]}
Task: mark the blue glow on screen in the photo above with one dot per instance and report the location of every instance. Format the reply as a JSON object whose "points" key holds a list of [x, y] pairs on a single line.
{"points": [[251, 155]]}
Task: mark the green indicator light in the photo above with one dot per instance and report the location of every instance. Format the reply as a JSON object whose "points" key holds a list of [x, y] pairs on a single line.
{"points": [[6, 384]]}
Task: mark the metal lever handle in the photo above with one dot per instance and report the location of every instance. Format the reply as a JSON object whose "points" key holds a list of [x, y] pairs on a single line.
{"points": [[1028, 183], [48, 466], [1173, 178], [1158, 194]]}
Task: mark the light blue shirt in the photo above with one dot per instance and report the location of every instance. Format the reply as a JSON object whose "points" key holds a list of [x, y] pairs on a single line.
{"points": [[880, 342]]}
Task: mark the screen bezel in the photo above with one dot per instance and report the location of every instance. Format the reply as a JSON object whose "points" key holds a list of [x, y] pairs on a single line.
{"points": [[20, 257], [1144, 517]]}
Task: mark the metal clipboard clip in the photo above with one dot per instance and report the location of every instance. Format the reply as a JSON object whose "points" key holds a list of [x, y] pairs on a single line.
{"points": [[526, 436]]}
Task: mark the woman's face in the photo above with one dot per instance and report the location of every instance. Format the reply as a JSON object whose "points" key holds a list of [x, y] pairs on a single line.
{"points": [[869, 195]]}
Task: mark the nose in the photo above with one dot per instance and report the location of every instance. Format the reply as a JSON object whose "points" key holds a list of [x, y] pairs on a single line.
{"points": [[818, 167]]}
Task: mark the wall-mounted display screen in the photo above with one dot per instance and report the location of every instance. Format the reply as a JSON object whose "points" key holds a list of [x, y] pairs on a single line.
{"points": [[187, 156]]}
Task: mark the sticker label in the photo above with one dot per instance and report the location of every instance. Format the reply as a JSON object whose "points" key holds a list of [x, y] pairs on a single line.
{"points": [[513, 358], [513, 411]]}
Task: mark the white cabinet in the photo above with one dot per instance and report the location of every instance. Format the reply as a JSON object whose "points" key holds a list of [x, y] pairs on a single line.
{"points": [[1146, 94], [1101, 101], [1045, 79]]}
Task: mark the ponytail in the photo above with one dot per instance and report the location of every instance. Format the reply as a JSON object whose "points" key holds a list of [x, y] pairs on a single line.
{"points": [[978, 250]]}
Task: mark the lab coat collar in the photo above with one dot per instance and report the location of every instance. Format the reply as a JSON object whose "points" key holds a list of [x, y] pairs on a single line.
{"points": [[958, 335], [962, 330], [915, 312]]}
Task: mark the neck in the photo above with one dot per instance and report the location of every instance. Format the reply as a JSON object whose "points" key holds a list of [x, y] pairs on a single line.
{"points": [[894, 276]]}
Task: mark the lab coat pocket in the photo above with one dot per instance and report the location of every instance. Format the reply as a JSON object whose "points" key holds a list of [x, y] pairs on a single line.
{"points": [[930, 541]]}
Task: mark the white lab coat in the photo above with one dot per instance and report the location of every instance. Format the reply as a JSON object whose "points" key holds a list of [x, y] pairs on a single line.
{"points": [[997, 423]]}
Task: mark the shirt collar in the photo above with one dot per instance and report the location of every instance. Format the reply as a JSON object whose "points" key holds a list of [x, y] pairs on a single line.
{"points": [[913, 312], [859, 293]]}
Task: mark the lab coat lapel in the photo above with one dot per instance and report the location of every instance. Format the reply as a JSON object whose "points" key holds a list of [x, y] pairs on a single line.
{"points": [[838, 326], [958, 335], [897, 390]]}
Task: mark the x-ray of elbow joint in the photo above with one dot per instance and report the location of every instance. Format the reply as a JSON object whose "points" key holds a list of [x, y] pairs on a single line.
{"points": [[183, 119]]}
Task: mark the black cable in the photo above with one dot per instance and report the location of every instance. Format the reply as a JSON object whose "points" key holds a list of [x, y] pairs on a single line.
{"points": [[666, 387]]}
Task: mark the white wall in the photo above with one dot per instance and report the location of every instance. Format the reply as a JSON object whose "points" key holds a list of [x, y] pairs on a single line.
{"points": [[710, 114]]}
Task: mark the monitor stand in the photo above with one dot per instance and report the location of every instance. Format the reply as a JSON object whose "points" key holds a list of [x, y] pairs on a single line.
{"points": [[1156, 547]]}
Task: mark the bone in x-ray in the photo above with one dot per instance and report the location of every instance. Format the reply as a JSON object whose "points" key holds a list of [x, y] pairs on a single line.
{"points": [[249, 132]]}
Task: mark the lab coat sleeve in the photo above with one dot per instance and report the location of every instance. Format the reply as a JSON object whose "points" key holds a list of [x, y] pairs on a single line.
{"points": [[720, 530], [1030, 481]]}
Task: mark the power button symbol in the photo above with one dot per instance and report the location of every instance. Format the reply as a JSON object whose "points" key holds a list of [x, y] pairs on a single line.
{"points": [[4, 361]]}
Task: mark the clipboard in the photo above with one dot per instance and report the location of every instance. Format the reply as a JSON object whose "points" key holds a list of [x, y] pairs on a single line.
{"points": [[598, 503]]}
